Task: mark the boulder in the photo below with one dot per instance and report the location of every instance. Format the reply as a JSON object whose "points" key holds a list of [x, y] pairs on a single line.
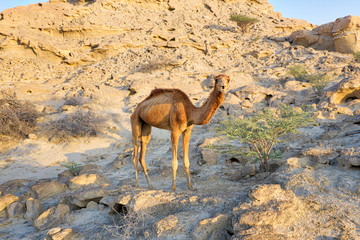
{"points": [[321, 154], [16, 209], [153, 202], [6, 200], [33, 208], [206, 227], [269, 207], [91, 168], [65, 176], [88, 180], [346, 33], [83, 197], [51, 217], [246, 171], [349, 157], [341, 36], [44, 190], [209, 156], [220, 234], [16, 187], [166, 226], [343, 92], [61, 234]]}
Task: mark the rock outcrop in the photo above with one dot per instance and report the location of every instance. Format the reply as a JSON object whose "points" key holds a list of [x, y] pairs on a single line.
{"points": [[341, 36], [51, 217]]}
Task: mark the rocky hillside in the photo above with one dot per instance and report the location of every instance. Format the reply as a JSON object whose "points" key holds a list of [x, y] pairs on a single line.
{"points": [[93, 61]]}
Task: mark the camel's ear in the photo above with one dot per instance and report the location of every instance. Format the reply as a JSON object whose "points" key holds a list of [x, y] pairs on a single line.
{"points": [[228, 77]]}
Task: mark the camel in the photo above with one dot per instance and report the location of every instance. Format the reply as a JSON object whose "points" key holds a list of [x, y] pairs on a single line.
{"points": [[171, 109]]}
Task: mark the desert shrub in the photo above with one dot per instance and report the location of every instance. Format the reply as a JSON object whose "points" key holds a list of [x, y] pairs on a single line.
{"points": [[76, 100], [17, 117], [74, 125], [297, 71], [243, 22], [318, 82], [357, 55], [153, 66], [262, 131], [74, 167], [131, 224]]}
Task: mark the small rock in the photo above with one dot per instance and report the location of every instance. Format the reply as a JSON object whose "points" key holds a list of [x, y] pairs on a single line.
{"points": [[33, 208], [92, 205], [68, 108], [32, 136], [51, 217], [107, 200]]}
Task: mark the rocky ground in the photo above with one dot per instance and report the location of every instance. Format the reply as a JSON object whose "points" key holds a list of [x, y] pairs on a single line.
{"points": [[108, 55]]}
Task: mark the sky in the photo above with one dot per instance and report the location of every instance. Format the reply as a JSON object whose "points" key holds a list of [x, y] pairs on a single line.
{"points": [[314, 11]]}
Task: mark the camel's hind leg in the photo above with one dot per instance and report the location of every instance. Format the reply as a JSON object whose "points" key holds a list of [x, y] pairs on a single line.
{"points": [[145, 138], [186, 138], [174, 144], [136, 125]]}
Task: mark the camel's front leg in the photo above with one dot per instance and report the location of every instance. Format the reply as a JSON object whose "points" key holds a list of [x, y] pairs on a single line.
{"points": [[174, 143], [186, 138], [135, 161]]}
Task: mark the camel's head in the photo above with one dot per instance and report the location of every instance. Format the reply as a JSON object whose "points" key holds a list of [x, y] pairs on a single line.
{"points": [[222, 83]]}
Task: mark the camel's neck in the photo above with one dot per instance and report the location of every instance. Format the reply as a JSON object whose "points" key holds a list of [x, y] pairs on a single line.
{"points": [[203, 114]]}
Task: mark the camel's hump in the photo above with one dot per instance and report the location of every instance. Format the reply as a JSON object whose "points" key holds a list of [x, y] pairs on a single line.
{"points": [[160, 91]]}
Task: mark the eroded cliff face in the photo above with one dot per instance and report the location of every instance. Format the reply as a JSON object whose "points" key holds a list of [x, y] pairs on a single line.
{"points": [[85, 32], [105, 57]]}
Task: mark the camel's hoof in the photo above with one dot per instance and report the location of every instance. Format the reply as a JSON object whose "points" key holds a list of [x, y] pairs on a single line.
{"points": [[173, 188], [151, 188]]}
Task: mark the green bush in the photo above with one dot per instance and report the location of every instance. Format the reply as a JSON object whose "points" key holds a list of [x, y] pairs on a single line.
{"points": [[262, 130], [318, 82], [74, 167], [17, 117], [298, 72], [244, 22]]}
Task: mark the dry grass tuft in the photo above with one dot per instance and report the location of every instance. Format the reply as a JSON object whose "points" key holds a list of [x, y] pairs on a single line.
{"points": [[17, 117], [74, 125]]}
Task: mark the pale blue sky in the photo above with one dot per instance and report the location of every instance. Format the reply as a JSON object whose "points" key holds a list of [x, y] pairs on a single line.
{"points": [[317, 11], [314, 11]]}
